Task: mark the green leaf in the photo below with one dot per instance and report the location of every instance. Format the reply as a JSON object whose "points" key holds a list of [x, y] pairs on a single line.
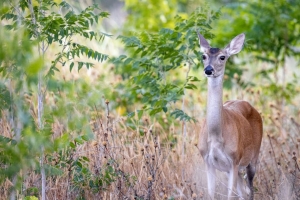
{"points": [[182, 115], [190, 86], [85, 138], [155, 111], [30, 198], [165, 109], [127, 61], [61, 142], [130, 115], [71, 66], [72, 145], [193, 79], [79, 140], [85, 158], [140, 113], [34, 67], [80, 65], [79, 164]]}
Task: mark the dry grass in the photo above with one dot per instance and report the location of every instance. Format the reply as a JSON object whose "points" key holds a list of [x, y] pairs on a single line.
{"points": [[139, 159]]}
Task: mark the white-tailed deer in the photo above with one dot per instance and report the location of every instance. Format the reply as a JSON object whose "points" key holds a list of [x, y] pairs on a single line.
{"points": [[231, 135]]}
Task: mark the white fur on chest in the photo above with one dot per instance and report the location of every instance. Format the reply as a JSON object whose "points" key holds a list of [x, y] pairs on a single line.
{"points": [[217, 157]]}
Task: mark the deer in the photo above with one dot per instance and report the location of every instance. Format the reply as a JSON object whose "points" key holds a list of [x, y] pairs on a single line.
{"points": [[231, 134]]}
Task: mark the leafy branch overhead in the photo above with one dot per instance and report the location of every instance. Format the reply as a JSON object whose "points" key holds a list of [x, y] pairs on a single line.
{"points": [[60, 27], [154, 57]]}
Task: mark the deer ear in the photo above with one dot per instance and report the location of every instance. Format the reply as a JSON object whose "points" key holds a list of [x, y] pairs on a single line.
{"points": [[235, 45], [203, 43]]}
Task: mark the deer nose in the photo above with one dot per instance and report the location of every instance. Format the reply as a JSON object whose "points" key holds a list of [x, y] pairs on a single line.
{"points": [[208, 70]]}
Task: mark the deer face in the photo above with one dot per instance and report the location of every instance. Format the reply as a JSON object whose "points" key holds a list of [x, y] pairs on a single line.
{"points": [[214, 59]]}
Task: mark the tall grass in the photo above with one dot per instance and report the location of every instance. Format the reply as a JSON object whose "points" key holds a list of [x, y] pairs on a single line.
{"points": [[132, 158]]}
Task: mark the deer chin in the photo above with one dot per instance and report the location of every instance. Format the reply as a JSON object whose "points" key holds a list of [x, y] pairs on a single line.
{"points": [[210, 76]]}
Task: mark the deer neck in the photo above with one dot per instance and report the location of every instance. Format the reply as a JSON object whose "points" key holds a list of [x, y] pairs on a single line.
{"points": [[214, 109]]}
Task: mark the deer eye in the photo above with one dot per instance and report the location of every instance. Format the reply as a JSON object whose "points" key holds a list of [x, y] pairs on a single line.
{"points": [[203, 57], [222, 57]]}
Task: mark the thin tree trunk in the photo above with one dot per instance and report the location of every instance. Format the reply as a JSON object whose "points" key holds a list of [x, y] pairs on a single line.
{"points": [[184, 132], [14, 120], [41, 126], [40, 104]]}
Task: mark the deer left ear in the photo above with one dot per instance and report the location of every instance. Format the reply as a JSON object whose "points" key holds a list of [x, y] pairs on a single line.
{"points": [[235, 45], [203, 43]]}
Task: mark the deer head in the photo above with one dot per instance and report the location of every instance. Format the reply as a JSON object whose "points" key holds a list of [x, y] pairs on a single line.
{"points": [[214, 59]]}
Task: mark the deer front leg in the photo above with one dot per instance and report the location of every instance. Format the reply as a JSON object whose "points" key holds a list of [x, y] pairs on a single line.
{"points": [[241, 187], [211, 180], [232, 181]]}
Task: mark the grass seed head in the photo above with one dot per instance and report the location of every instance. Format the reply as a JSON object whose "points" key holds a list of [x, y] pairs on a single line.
{"points": [[201, 194], [94, 143], [235, 76], [194, 196]]}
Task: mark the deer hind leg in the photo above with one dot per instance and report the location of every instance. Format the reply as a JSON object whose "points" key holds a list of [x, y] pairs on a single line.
{"points": [[250, 170], [211, 180]]}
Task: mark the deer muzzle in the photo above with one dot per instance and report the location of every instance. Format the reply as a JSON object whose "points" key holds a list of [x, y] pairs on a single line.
{"points": [[208, 70]]}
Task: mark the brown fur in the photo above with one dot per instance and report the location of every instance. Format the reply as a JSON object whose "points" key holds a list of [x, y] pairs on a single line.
{"points": [[242, 133]]}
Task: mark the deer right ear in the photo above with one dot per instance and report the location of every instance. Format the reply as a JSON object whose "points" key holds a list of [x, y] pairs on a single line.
{"points": [[236, 45], [203, 43]]}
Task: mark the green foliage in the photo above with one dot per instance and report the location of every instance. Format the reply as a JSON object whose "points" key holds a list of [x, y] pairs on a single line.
{"points": [[273, 33], [32, 193], [83, 177], [150, 15], [30, 29], [16, 54], [48, 27], [5, 100], [31, 198], [182, 115], [155, 57], [19, 155], [265, 23]]}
